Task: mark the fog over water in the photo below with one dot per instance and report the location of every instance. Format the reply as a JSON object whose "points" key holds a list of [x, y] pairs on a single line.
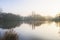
{"points": [[30, 19], [35, 26], [47, 30]]}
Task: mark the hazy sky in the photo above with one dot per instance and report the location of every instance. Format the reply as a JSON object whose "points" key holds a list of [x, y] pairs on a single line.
{"points": [[25, 7]]}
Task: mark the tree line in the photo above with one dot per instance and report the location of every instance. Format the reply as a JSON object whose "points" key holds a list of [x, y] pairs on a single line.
{"points": [[9, 20]]}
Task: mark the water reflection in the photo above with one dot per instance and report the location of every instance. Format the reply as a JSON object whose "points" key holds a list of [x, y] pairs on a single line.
{"points": [[10, 24], [39, 23], [47, 30], [35, 23], [9, 20], [58, 25]]}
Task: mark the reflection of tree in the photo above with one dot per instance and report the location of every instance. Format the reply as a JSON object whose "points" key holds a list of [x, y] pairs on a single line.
{"points": [[34, 20], [9, 20], [35, 23], [57, 21], [10, 24], [58, 24]]}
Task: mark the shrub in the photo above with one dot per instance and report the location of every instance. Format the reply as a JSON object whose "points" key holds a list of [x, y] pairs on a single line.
{"points": [[10, 35]]}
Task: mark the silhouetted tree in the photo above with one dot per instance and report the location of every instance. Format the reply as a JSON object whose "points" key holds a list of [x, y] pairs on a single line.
{"points": [[9, 20], [57, 18]]}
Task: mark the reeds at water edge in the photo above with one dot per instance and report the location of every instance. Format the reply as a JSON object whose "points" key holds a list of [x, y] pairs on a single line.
{"points": [[10, 35]]}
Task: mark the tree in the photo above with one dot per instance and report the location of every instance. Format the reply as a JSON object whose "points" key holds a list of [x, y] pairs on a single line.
{"points": [[10, 20], [1, 10], [57, 18]]}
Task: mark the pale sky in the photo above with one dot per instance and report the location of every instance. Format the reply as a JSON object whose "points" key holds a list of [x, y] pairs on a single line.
{"points": [[25, 7]]}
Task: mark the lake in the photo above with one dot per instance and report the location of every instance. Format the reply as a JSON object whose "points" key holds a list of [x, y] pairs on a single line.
{"points": [[46, 30]]}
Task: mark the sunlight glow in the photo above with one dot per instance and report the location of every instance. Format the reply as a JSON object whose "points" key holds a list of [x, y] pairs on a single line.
{"points": [[25, 7]]}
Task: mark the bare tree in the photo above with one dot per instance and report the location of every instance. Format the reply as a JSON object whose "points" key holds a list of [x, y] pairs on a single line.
{"points": [[1, 10]]}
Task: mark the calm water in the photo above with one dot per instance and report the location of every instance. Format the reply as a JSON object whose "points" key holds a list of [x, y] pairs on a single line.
{"points": [[47, 30]]}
